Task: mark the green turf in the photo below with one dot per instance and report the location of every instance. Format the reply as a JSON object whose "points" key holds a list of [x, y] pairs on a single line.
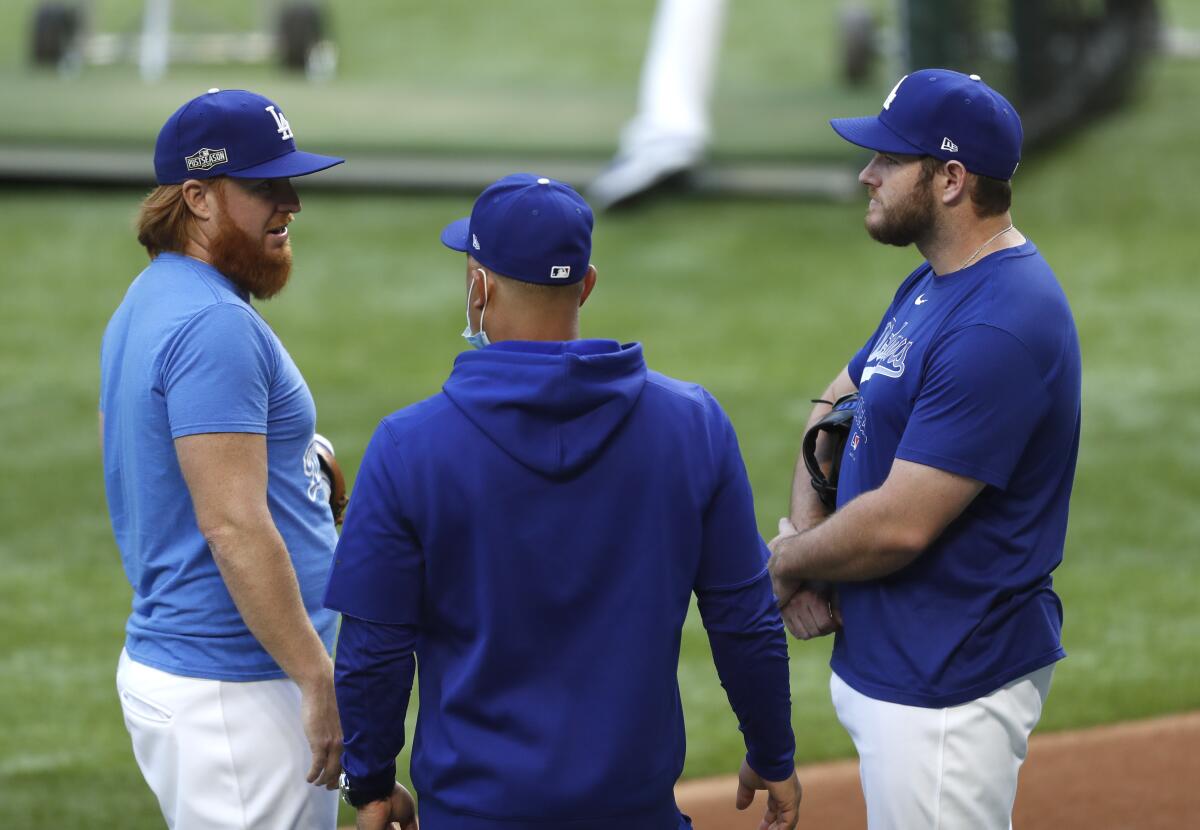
{"points": [[519, 76], [761, 302]]}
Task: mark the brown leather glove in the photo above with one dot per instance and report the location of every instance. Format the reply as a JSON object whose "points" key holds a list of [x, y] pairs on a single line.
{"points": [[332, 474]]}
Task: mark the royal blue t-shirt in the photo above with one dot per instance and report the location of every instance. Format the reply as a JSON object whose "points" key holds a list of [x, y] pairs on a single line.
{"points": [[185, 353], [977, 373]]}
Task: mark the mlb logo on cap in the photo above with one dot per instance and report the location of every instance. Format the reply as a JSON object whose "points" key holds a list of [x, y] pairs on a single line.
{"points": [[529, 228], [231, 132], [947, 115]]}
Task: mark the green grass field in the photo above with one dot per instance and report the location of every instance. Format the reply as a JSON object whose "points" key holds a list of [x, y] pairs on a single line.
{"points": [[532, 75], [761, 302]]}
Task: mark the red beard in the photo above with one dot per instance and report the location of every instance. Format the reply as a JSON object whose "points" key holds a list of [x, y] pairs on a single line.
{"points": [[247, 262]]}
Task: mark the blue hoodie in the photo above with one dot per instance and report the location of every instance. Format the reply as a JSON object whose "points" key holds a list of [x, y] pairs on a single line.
{"points": [[534, 535]]}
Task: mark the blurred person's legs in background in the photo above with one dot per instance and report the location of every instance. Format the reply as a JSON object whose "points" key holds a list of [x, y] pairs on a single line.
{"points": [[670, 132]]}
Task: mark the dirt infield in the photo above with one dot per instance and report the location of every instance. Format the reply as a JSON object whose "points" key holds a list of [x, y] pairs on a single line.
{"points": [[1133, 776]]}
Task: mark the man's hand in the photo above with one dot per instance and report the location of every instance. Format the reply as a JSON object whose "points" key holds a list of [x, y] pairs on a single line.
{"points": [[379, 815], [812, 612], [784, 587], [318, 713], [783, 798]]}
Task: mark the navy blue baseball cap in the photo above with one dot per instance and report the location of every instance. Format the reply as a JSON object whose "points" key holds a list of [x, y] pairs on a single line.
{"points": [[527, 227], [947, 115], [231, 132]]}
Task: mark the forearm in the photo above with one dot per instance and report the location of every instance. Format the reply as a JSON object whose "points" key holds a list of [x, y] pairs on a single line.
{"points": [[258, 573], [373, 681], [750, 653], [806, 509], [867, 539]]}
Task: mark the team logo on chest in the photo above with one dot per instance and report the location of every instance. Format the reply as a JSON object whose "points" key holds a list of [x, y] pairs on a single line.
{"points": [[889, 353]]}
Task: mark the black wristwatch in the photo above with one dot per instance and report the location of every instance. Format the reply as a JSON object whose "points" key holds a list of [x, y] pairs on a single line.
{"points": [[360, 792]]}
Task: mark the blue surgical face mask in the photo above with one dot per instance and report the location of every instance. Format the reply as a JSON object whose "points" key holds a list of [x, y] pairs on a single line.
{"points": [[480, 339]]}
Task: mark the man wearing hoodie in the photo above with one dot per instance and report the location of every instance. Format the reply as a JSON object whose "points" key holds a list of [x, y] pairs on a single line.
{"points": [[533, 535]]}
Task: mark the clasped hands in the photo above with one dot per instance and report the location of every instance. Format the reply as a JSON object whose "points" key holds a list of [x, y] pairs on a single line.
{"points": [[809, 607]]}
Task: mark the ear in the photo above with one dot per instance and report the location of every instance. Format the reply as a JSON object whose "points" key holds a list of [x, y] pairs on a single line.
{"points": [[589, 282], [196, 197], [956, 182], [481, 287]]}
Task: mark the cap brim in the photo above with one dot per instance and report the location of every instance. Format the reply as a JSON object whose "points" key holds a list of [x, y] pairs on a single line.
{"points": [[454, 235], [873, 134], [289, 165]]}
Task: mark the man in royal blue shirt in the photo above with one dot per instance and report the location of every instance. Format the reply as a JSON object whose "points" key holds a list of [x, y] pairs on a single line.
{"points": [[533, 534], [214, 487], [955, 478]]}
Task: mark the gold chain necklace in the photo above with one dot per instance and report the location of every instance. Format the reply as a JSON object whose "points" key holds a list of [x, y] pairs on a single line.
{"points": [[971, 258]]}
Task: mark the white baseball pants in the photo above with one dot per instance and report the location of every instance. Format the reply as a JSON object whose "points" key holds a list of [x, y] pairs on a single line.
{"points": [[942, 769], [220, 755]]}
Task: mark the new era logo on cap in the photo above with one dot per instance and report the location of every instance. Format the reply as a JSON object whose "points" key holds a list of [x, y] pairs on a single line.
{"points": [[949, 146]]}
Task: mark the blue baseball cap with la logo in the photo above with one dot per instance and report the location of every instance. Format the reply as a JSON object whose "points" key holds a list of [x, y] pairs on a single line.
{"points": [[527, 227], [231, 132], [947, 115]]}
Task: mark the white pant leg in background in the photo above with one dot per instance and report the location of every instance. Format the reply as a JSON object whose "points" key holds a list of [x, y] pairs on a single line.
{"points": [[220, 755], [669, 134], [677, 77], [942, 769]]}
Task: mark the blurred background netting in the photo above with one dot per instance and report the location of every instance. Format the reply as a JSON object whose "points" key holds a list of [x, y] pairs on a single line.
{"points": [[462, 80]]}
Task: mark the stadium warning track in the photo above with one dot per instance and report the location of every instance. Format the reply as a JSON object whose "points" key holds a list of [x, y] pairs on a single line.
{"points": [[426, 173]]}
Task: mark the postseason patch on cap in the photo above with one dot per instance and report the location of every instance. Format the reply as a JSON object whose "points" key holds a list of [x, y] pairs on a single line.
{"points": [[206, 159]]}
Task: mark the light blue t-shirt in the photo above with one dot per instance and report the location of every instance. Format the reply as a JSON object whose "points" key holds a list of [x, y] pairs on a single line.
{"points": [[184, 354]]}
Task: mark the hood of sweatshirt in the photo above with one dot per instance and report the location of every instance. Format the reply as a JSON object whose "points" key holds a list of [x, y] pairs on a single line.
{"points": [[552, 406]]}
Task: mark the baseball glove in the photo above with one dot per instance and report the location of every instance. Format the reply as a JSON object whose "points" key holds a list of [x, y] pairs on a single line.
{"points": [[837, 423], [332, 473]]}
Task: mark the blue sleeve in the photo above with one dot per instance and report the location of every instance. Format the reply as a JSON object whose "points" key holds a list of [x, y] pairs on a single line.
{"points": [[378, 566], [981, 398], [738, 610], [373, 676], [750, 652], [732, 552], [216, 376]]}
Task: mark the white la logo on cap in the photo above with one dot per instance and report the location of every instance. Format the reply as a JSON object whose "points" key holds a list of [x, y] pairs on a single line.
{"points": [[475, 242], [887, 104], [283, 127], [560, 272]]}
